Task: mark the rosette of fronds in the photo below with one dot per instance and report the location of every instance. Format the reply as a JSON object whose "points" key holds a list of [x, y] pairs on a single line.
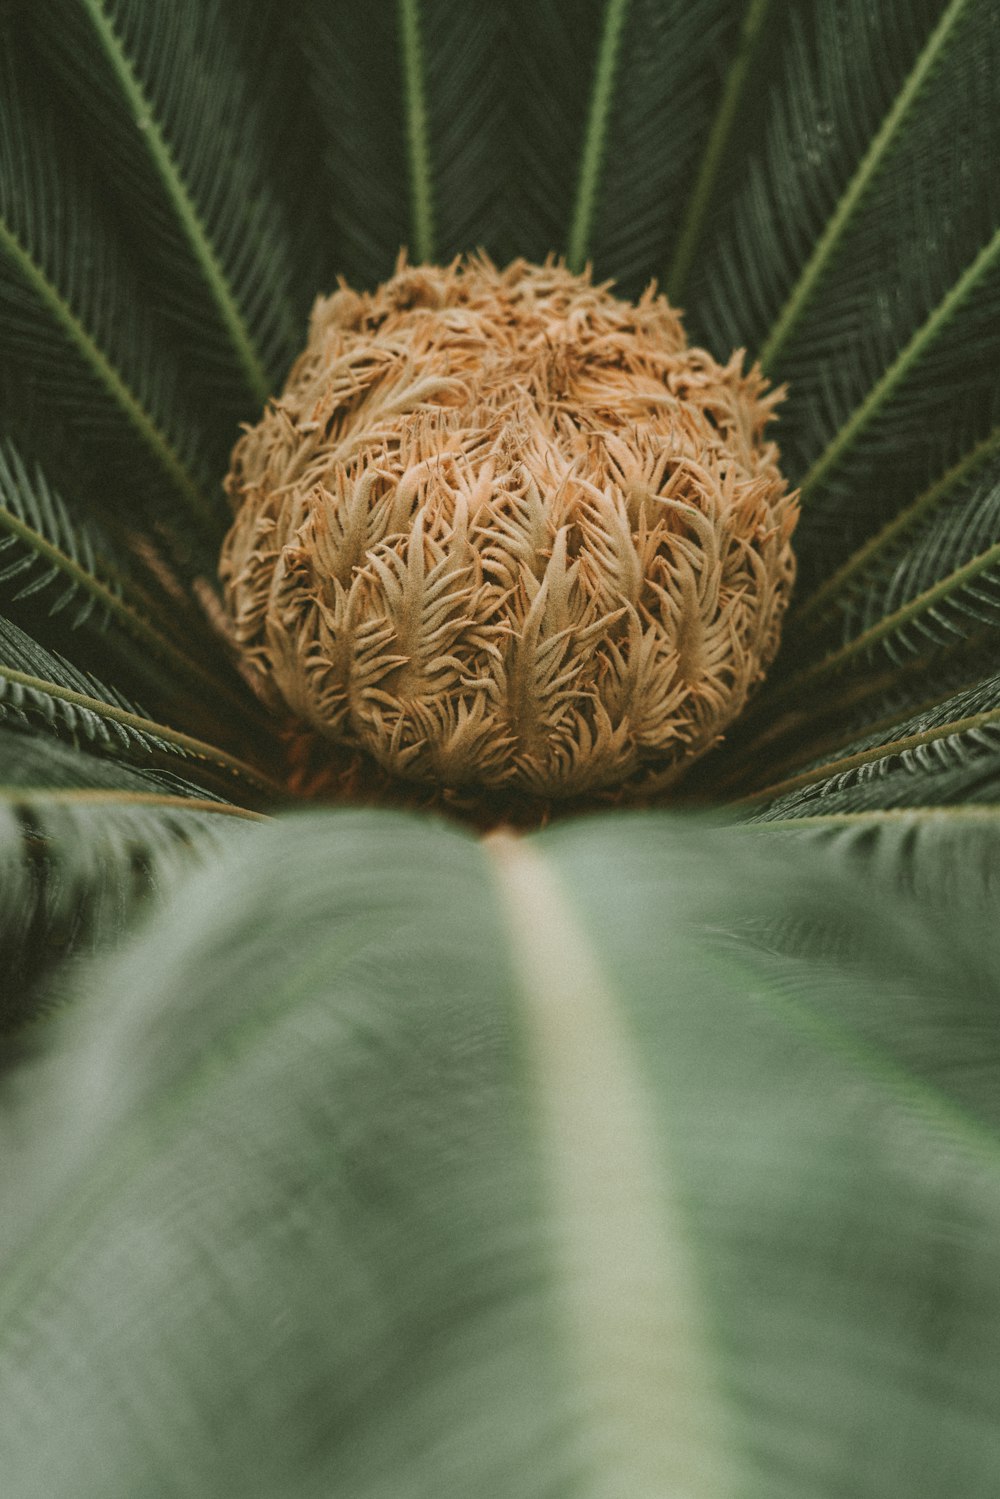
{"points": [[634, 1155], [504, 531]]}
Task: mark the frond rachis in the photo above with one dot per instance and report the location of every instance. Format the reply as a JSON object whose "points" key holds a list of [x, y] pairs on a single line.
{"points": [[504, 531]]}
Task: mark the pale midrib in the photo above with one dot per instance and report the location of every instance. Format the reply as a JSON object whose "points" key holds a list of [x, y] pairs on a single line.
{"points": [[827, 743], [715, 149], [865, 174], [595, 134], [908, 356], [418, 149], [819, 606], [189, 747], [891, 623], [867, 757], [636, 1345], [251, 364], [133, 623], [109, 377]]}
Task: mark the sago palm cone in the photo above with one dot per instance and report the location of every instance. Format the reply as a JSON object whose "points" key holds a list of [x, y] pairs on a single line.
{"points": [[504, 531]]}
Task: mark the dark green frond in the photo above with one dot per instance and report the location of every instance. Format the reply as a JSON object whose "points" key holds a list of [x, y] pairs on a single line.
{"points": [[436, 128], [468, 107], [939, 392], [894, 123], [937, 586], [817, 97], [37, 760], [918, 617], [80, 344], [554, 50], [44, 552], [666, 84], [41, 690], [61, 566], [718, 142], [697, 1130], [355, 74], [76, 867], [180, 125], [861, 256], [948, 752], [837, 602]]}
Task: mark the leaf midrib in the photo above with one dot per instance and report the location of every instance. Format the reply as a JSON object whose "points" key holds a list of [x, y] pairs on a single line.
{"points": [[141, 629], [216, 281], [186, 745], [910, 355], [635, 1334], [866, 757], [77, 335], [417, 145], [821, 603], [595, 134], [867, 170], [887, 625]]}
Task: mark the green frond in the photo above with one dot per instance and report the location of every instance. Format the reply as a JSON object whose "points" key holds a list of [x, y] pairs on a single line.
{"points": [[948, 752], [825, 251], [845, 588], [945, 853], [61, 562], [355, 77], [81, 346], [78, 866], [697, 1130], [181, 128], [44, 551], [860, 254], [639, 174], [469, 116], [85, 843], [980, 279], [940, 586], [41, 690], [594, 140], [648, 1154], [814, 102], [753, 31], [432, 158], [37, 761], [931, 601], [548, 89], [890, 368]]}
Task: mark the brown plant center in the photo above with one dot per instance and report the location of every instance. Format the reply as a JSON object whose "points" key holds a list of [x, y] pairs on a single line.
{"points": [[504, 532]]}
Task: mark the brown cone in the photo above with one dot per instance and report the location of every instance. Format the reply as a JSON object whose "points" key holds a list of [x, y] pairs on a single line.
{"points": [[506, 532]]}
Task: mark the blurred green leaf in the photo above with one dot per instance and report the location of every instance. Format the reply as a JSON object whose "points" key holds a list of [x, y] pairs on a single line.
{"points": [[639, 1157]]}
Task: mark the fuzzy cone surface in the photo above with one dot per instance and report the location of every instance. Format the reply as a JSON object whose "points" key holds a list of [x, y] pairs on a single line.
{"points": [[504, 531]]}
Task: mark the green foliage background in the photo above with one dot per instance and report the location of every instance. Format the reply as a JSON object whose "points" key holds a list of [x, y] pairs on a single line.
{"points": [[641, 1156]]}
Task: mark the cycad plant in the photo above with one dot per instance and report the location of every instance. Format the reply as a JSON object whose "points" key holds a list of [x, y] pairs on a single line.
{"points": [[430, 1140]]}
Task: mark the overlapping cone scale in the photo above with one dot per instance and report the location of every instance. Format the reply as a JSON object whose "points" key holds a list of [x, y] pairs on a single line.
{"points": [[505, 531]]}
